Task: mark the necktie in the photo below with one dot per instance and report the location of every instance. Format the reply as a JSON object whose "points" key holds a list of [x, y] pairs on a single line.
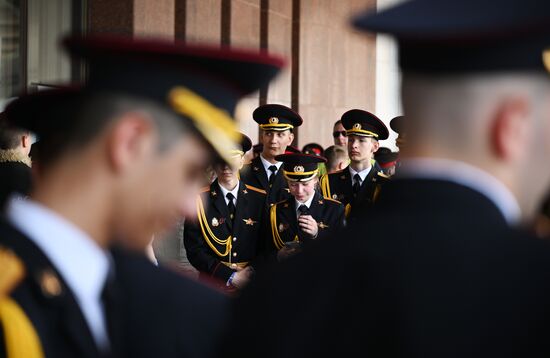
{"points": [[231, 206], [273, 170], [356, 184], [304, 210]]}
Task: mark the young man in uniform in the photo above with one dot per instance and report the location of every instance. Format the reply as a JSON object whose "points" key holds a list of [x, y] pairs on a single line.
{"points": [[122, 159], [358, 185], [276, 123], [225, 240]]}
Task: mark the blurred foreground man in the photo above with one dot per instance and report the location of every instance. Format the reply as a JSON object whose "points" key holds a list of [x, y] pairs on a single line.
{"points": [[121, 159], [437, 269]]}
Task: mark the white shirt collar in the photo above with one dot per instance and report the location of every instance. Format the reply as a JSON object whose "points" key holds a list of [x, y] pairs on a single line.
{"points": [[235, 193], [362, 174], [307, 203], [466, 175], [83, 265], [268, 164]]}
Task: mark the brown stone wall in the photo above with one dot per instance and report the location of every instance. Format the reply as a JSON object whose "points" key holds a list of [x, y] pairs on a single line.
{"points": [[335, 68]]}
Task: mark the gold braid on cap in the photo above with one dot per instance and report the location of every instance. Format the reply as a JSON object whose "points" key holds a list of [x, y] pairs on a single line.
{"points": [[213, 123], [361, 132], [302, 175]]}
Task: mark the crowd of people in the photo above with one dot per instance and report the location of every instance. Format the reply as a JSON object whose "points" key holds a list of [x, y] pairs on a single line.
{"points": [[437, 250]]}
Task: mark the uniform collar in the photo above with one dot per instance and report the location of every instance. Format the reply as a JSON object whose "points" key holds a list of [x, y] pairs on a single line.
{"points": [[83, 265], [362, 174], [235, 192], [307, 203], [467, 175], [267, 164]]}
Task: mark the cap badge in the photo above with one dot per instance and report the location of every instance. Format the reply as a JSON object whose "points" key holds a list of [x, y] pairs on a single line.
{"points": [[357, 126], [273, 120], [298, 169]]}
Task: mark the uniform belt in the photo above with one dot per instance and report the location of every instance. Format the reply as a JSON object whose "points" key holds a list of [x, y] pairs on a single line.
{"points": [[234, 265]]}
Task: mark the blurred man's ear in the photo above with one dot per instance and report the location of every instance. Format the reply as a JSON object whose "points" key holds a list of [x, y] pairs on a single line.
{"points": [[511, 129], [131, 138]]}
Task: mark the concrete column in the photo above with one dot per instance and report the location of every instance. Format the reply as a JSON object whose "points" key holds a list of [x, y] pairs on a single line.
{"points": [[154, 18], [337, 66]]}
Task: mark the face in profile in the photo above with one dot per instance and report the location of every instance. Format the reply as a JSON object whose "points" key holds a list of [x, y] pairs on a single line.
{"points": [[275, 142], [163, 189], [302, 191], [361, 149]]}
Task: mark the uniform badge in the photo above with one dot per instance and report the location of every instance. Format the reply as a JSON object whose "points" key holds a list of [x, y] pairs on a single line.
{"points": [[287, 190], [342, 177], [49, 283], [213, 193], [357, 126], [298, 169], [321, 202], [322, 225], [255, 169], [249, 221], [215, 222], [335, 196], [283, 227], [286, 205], [245, 191], [273, 120]]}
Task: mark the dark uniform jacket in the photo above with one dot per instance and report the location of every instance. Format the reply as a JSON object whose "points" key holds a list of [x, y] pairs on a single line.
{"points": [[215, 245], [254, 174], [149, 311], [282, 224], [339, 186], [15, 175], [440, 275]]}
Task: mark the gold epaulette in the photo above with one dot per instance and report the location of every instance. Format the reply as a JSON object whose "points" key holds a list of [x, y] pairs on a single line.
{"points": [[333, 200], [15, 323], [381, 174], [258, 190]]}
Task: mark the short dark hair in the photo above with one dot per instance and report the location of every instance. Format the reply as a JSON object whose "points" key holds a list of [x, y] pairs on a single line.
{"points": [[10, 137], [337, 123], [91, 114]]}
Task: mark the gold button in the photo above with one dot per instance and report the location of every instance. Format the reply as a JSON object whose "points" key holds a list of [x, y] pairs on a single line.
{"points": [[234, 254], [234, 239], [234, 266]]}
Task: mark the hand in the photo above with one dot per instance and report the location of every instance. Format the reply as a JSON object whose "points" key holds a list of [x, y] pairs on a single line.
{"points": [[285, 253], [242, 277], [308, 225]]}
